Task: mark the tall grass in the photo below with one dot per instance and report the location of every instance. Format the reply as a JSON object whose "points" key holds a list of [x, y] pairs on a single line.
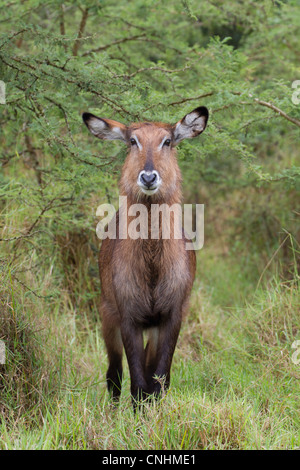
{"points": [[234, 385]]}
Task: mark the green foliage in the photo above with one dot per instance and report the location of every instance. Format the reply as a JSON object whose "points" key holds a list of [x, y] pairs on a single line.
{"points": [[143, 60]]}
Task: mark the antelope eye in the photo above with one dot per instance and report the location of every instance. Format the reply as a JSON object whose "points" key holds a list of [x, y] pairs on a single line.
{"points": [[167, 142], [133, 141]]}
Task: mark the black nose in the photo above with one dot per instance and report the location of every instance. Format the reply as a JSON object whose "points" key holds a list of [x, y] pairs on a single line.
{"points": [[148, 179]]}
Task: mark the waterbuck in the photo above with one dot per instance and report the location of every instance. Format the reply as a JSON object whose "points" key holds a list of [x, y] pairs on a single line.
{"points": [[145, 282]]}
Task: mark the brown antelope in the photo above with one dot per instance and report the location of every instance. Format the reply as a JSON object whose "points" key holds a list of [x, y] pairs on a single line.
{"points": [[146, 283]]}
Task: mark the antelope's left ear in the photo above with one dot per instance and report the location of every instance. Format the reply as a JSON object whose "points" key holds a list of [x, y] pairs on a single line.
{"points": [[106, 129], [191, 125]]}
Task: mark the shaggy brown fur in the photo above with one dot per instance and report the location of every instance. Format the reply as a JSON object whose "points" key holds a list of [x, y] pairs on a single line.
{"points": [[146, 283]]}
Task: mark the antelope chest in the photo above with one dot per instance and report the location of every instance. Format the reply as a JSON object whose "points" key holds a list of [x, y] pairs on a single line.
{"points": [[150, 280]]}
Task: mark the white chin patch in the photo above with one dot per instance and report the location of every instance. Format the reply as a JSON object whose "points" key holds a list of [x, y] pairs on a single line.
{"points": [[149, 192]]}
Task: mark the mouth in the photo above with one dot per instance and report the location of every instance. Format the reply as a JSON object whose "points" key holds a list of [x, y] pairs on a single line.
{"points": [[149, 191]]}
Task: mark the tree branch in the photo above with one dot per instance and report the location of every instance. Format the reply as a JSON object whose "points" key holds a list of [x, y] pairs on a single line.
{"points": [[277, 110], [62, 20], [20, 237], [261, 103], [34, 162], [148, 69], [62, 23], [114, 43], [194, 98], [13, 35], [81, 85], [82, 25]]}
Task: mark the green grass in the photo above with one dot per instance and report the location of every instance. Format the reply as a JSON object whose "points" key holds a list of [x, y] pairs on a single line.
{"points": [[234, 385]]}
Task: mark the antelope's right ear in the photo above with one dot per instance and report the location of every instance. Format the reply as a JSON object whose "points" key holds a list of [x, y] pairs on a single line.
{"points": [[105, 128], [191, 124]]}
